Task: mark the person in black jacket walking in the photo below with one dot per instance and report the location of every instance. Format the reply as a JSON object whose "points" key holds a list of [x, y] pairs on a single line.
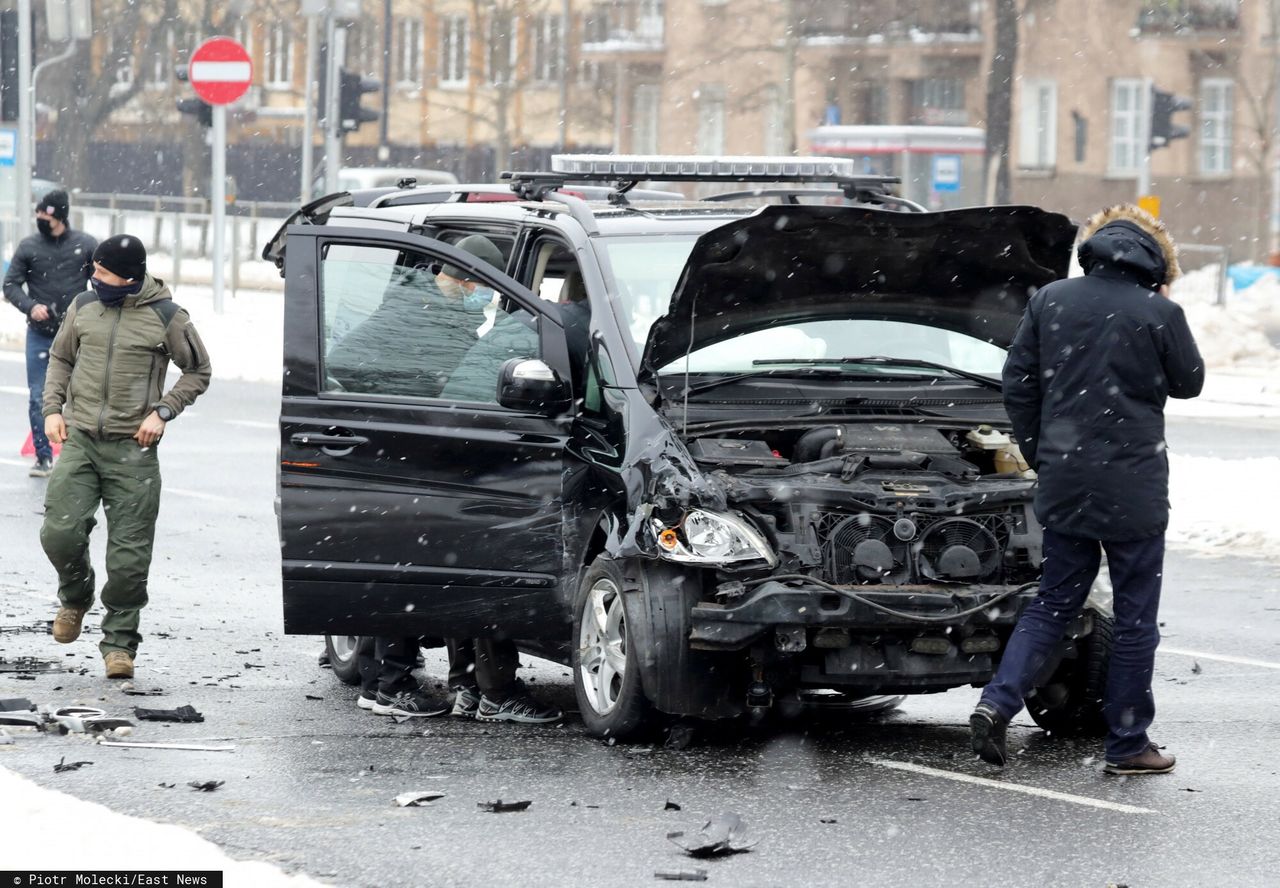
{"points": [[1085, 386], [54, 265]]}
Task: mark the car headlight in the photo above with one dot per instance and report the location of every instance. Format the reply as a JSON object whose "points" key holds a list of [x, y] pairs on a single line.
{"points": [[711, 538]]}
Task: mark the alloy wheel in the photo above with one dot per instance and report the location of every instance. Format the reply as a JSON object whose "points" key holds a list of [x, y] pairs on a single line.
{"points": [[602, 646]]}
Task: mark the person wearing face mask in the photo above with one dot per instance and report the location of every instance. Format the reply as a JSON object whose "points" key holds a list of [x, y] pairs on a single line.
{"points": [[104, 401], [49, 269]]}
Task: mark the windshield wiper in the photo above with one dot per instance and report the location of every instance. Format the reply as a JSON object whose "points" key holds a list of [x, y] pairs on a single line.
{"points": [[789, 372], [881, 361]]}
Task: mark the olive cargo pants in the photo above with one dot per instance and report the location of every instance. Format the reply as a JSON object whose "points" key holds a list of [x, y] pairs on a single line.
{"points": [[125, 479]]}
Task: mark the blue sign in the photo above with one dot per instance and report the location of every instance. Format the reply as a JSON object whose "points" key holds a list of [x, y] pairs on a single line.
{"points": [[8, 147], [946, 172]]}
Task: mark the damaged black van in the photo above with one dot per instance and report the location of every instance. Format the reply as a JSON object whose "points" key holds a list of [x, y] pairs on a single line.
{"points": [[713, 454]]}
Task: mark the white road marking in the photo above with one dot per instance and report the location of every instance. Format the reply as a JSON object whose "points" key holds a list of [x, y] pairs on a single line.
{"points": [[1012, 787], [13, 357], [1221, 658], [253, 424], [200, 495], [15, 462], [15, 390]]}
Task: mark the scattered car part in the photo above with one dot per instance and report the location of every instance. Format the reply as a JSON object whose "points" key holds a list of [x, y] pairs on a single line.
{"points": [[22, 719], [671, 806], [417, 799], [722, 835], [695, 875], [205, 785], [64, 765], [17, 704], [147, 692], [184, 714], [501, 807]]}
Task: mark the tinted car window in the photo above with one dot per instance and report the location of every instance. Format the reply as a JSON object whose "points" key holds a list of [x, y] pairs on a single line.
{"points": [[389, 326]]}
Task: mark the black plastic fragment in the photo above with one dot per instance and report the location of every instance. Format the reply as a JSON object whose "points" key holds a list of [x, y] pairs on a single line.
{"points": [[671, 806], [721, 835], [64, 765], [181, 714], [694, 875], [501, 807], [205, 785], [313, 697], [147, 692], [17, 704]]}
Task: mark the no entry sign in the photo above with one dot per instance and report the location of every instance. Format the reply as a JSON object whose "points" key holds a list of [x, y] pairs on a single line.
{"points": [[220, 71]]}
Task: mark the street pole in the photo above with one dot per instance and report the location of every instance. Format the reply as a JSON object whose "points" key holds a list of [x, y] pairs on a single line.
{"points": [[336, 38], [24, 158], [1144, 135], [218, 209], [566, 19], [309, 114]]}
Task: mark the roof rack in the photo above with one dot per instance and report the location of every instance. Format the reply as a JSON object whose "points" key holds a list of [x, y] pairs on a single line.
{"points": [[792, 195], [626, 171]]}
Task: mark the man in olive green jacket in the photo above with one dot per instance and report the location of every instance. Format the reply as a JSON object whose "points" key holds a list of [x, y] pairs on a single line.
{"points": [[104, 400]]}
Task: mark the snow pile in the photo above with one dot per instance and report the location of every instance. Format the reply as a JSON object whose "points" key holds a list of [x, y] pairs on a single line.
{"points": [[1223, 505], [45, 829], [1235, 335]]}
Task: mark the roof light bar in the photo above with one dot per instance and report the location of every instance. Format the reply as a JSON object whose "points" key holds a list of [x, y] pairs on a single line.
{"points": [[658, 167]]}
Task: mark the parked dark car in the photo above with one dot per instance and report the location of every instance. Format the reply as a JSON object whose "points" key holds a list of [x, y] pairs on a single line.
{"points": [[710, 453]]}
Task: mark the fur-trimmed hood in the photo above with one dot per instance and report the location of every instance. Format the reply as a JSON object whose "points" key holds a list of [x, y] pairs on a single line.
{"points": [[1128, 238]]}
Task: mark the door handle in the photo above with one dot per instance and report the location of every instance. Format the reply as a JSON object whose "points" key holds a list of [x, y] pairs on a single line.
{"points": [[344, 442]]}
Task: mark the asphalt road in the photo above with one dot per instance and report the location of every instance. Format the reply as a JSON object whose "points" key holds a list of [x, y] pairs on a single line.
{"points": [[835, 801]]}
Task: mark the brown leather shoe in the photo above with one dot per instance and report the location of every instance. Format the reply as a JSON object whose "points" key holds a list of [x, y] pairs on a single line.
{"points": [[66, 625], [1150, 761], [119, 665]]}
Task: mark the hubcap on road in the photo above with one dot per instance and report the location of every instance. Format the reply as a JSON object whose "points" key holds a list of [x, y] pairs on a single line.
{"points": [[602, 646]]}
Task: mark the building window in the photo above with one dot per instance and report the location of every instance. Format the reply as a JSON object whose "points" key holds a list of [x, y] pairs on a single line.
{"points": [[548, 48], [408, 55], [1217, 100], [711, 121], [1127, 108], [161, 64], [644, 119], [364, 49], [773, 118], [453, 50], [279, 57], [1038, 125], [503, 50], [938, 101]]}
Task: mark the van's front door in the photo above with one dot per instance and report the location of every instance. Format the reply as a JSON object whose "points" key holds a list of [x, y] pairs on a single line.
{"points": [[412, 503]]}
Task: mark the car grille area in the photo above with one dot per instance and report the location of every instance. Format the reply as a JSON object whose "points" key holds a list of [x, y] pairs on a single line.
{"points": [[870, 549]]}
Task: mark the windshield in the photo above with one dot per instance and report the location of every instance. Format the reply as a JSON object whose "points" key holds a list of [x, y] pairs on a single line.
{"points": [[646, 270], [847, 338]]}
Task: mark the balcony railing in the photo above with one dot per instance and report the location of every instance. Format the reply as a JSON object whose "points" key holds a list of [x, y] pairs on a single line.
{"points": [[1186, 17], [625, 23], [889, 20]]}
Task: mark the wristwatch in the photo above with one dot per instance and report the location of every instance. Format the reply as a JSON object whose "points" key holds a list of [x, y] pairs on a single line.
{"points": [[164, 412]]}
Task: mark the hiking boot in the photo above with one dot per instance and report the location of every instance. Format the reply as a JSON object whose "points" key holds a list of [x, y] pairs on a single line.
{"points": [[466, 702], [66, 625], [43, 468], [987, 735], [367, 699], [1150, 761], [119, 665], [519, 708], [409, 704]]}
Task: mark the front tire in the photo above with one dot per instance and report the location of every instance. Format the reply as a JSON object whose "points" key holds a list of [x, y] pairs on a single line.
{"points": [[606, 670], [1070, 703], [343, 653]]}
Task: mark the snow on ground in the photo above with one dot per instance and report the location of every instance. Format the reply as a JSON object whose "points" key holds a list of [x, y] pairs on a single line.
{"points": [[1232, 336], [44, 829], [1224, 506]]}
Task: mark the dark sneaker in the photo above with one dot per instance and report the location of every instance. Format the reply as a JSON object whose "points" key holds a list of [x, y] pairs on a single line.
{"points": [[367, 699], [66, 624], [466, 702], [987, 735], [409, 704], [1150, 761], [42, 469], [519, 708]]}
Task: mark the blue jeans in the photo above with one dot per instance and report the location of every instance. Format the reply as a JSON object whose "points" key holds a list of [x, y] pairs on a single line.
{"points": [[38, 345], [1070, 566]]}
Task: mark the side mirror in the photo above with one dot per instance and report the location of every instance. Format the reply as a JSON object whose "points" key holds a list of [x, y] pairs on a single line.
{"points": [[529, 385]]}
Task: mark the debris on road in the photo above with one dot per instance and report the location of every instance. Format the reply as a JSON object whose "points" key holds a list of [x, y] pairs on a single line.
{"points": [[166, 785], [205, 785], [417, 799], [313, 697], [181, 714], [1195, 667], [827, 820], [192, 747], [719, 837], [694, 875], [17, 704], [501, 807], [64, 765], [144, 692], [30, 665], [23, 719], [671, 806], [680, 737]]}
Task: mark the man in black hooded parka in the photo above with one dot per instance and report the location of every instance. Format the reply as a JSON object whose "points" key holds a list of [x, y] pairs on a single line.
{"points": [[1085, 385]]}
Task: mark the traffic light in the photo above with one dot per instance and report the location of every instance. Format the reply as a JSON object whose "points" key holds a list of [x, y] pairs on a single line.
{"points": [[199, 108], [351, 87], [1163, 129]]}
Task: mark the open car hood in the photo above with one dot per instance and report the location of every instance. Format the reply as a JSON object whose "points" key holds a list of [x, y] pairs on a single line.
{"points": [[970, 270]]}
